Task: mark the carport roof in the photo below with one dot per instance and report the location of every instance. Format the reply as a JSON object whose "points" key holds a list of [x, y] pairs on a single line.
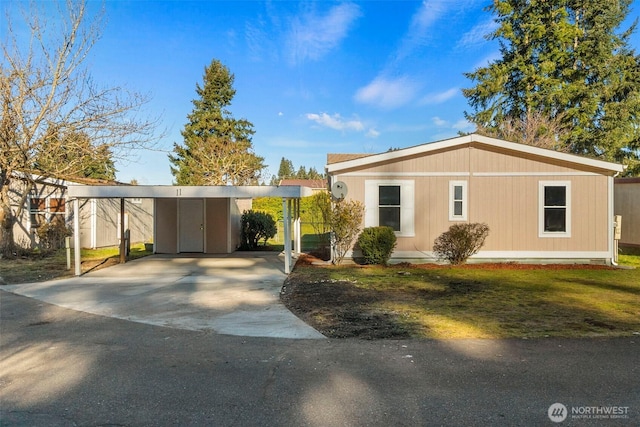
{"points": [[173, 191]]}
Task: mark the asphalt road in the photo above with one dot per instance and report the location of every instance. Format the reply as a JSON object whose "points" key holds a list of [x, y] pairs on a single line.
{"points": [[60, 367]]}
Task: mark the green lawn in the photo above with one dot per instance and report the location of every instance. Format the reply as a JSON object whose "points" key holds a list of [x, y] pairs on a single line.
{"points": [[468, 301], [40, 268], [629, 256]]}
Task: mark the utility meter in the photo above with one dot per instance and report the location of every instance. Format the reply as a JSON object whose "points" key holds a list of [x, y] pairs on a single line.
{"points": [[617, 227]]}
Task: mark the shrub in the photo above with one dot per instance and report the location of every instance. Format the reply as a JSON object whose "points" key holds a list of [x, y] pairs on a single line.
{"points": [[346, 220], [460, 242], [377, 244], [255, 227], [51, 235]]}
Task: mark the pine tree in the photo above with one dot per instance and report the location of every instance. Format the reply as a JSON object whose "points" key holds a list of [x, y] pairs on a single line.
{"points": [[564, 65], [217, 148], [286, 169]]}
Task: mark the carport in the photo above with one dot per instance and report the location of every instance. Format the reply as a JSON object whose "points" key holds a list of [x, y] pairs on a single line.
{"points": [[184, 215]]}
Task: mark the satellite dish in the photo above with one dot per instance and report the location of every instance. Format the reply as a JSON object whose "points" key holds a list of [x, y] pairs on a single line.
{"points": [[339, 190]]}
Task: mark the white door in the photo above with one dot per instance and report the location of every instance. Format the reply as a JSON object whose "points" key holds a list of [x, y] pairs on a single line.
{"points": [[191, 229]]}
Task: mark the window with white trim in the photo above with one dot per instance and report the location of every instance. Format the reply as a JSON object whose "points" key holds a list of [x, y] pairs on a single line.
{"points": [[554, 209], [46, 209], [389, 206], [390, 203], [457, 200]]}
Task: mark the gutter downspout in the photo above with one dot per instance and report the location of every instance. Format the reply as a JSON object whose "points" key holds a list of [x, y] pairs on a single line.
{"points": [[611, 213]]}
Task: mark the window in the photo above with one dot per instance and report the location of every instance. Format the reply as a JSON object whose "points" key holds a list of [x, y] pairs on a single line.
{"points": [[37, 211], [555, 209], [57, 210], [457, 200], [391, 203], [44, 210], [389, 206]]}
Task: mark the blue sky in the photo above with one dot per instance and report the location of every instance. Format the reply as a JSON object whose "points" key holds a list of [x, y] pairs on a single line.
{"points": [[312, 77]]}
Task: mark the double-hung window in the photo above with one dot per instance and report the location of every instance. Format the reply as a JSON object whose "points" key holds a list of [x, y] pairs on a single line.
{"points": [[457, 200], [389, 206], [554, 209], [37, 211], [46, 209], [390, 203]]}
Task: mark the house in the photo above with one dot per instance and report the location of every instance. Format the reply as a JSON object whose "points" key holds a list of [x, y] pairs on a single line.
{"points": [[48, 202], [627, 204], [539, 204]]}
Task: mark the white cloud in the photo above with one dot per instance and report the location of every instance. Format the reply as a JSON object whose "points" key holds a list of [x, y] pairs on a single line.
{"points": [[336, 122], [372, 133], [464, 125], [418, 33], [484, 62], [387, 93], [312, 36], [476, 35], [439, 98], [439, 122], [461, 125]]}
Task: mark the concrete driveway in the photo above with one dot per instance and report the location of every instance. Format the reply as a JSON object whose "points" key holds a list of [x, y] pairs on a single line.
{"points": [[236, 294]]}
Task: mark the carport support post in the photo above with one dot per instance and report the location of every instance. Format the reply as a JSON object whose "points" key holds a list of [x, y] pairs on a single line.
{"points": [[123, 255], [287, 235], [76, 236], [296, 224]]}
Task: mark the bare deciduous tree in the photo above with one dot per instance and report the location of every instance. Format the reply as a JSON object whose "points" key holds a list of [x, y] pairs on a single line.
{"points": [[534, 129], [48, 99]]}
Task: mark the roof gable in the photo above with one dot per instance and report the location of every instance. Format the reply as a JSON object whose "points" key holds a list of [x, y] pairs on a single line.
{"points": [[473, 139]]}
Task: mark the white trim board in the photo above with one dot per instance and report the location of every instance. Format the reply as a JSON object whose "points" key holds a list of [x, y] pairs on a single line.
{"points": [[511, 255], [174, 191]]}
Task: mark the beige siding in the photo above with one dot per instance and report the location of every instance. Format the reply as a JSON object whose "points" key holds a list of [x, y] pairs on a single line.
{"points": [[503, 191], [509, 205], [484, 160], [627, 204], [217, 221], [167, 226]]}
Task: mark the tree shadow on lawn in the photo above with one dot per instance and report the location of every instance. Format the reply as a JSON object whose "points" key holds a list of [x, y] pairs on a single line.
{"points": [[458, 303]]}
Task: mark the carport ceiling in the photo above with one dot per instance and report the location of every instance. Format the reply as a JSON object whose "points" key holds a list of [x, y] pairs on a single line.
{"points": [[172, 191]]}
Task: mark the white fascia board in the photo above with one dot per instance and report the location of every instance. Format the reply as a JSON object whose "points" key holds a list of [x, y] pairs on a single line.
{"points": [[172, 191], [468, 139]]}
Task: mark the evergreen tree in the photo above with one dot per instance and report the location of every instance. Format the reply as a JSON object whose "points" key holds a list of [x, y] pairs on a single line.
{"points": [[564, 65], [217, 148], [314, 174], [302, 173], [286, 169]]}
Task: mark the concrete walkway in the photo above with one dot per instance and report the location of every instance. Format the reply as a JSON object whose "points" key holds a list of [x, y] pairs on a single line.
{"points": [[236, 294]]}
